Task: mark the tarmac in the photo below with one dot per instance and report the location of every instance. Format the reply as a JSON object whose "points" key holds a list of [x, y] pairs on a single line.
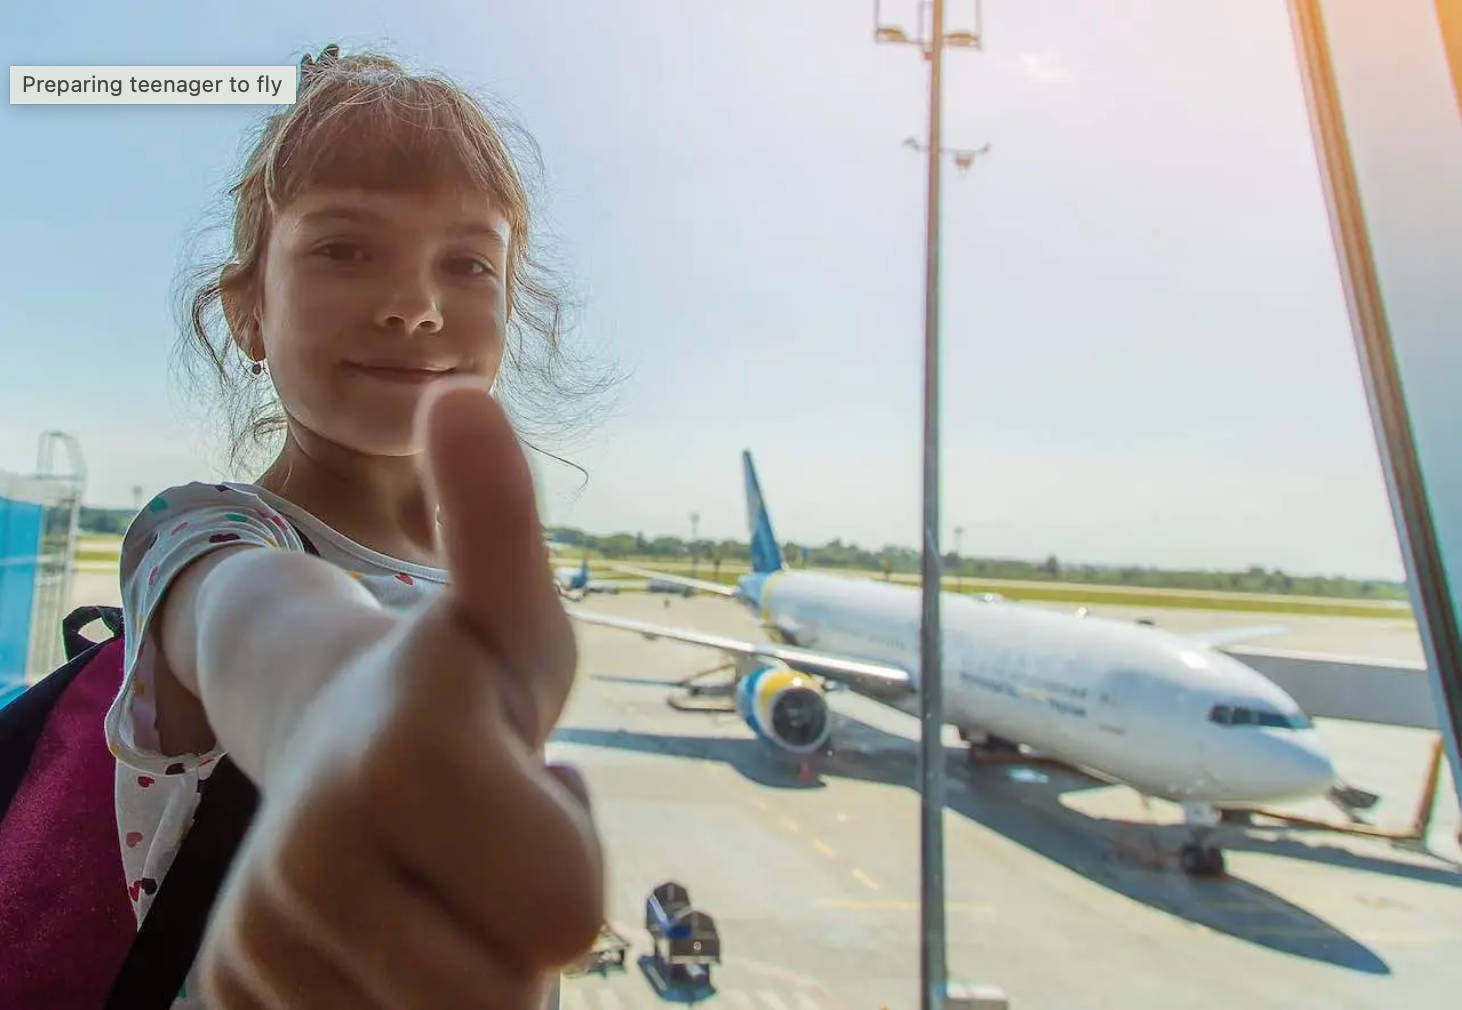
{"points": [[1060, 889]]}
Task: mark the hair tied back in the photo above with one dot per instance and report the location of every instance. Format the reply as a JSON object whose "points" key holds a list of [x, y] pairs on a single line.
{"points": [[310, 66]]}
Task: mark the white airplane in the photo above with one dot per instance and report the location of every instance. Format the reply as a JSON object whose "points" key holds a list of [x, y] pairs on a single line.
{"points": [[571, 581], [1170, 716]]}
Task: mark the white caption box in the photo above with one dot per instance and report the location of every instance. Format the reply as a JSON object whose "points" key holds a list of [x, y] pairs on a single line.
{"points": [[153, 85]]}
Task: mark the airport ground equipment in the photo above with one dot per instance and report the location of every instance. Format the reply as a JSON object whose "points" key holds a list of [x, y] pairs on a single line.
{"points": [[609, 950], [684, 940]]}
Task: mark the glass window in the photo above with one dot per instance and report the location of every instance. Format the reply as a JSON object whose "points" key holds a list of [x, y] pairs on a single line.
{"points": [[1170, 437]]}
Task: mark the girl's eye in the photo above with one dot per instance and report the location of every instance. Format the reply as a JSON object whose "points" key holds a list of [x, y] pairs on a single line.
{"points": [[471, 267], [332, 250], [349, 252]]}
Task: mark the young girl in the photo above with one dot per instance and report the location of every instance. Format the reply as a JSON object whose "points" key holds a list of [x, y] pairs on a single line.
{"points": [[392, 695]]}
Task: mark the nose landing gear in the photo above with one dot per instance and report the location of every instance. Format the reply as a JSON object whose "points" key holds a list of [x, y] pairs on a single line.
{"points": [[1199, 860]]}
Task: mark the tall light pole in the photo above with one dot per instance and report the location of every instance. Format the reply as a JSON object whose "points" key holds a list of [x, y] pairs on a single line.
{"points": [[933, 969], [695, 518], [963, 157]]}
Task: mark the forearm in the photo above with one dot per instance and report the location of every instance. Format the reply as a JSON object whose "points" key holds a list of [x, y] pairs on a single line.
{"points": [[274, 628]]}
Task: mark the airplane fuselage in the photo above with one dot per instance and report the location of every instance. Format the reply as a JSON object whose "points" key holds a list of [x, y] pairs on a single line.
{"points": [[1164, 714]]}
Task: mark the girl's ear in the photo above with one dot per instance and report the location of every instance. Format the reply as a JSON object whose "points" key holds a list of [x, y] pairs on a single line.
{"points": [[237, 295]]}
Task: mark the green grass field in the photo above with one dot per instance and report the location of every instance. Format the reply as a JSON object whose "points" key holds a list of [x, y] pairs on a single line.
{"points": [[1073, 593], [1082, 593]]}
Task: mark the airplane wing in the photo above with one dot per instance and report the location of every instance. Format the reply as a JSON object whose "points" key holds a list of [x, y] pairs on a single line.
{"points": [[1220, 637], [701, 584], [879, 677]]}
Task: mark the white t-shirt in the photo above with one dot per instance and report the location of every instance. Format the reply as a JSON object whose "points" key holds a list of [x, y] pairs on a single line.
{"points": [[157, 795]]}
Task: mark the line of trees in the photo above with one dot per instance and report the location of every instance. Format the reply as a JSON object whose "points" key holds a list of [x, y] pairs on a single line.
{"points": [[905, 560], [114, 521]]}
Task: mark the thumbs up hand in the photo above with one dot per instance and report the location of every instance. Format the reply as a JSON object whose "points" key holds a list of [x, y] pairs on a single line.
{"points": [[412, 849]]}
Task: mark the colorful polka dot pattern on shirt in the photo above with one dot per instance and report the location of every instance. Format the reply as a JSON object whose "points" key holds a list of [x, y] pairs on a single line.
{"points": [[157, 794]]}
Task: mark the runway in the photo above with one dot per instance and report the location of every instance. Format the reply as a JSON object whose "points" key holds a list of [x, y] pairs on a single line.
{"points": [[1060, 889]]}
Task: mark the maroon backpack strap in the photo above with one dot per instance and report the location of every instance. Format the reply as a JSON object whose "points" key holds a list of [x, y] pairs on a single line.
{"points": [[22, 722], [62, 888]]}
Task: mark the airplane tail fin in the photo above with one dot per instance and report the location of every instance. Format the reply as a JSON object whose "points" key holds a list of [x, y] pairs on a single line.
{"points": [[766, 556]]}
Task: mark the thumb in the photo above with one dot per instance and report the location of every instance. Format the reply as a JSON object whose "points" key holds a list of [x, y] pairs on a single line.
{"points": [[500, 586]]}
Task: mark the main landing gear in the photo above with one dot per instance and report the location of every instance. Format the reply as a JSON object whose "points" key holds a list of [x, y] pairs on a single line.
{"points": [[988, 749]]}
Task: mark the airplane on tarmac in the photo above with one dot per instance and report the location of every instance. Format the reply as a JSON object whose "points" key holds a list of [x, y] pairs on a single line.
{"points": [[571, 581], [1168, 715]]}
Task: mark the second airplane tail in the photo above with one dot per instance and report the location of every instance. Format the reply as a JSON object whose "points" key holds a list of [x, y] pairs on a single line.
{"points": [[766, 556]]}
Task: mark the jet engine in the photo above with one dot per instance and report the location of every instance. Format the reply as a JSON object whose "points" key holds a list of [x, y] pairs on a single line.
{"points": [[784, 708]]}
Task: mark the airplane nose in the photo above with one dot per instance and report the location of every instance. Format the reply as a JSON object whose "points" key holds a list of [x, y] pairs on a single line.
{"points": [[1272, 765], [1301, 767]]}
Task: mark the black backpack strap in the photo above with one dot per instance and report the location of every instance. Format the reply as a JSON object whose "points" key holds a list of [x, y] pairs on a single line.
{"points": [[76, 643], [169, 938], [170, 935], [309, 545]]}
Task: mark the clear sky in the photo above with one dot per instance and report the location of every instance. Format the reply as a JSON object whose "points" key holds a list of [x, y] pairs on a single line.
{"points": [[1147, 355]]}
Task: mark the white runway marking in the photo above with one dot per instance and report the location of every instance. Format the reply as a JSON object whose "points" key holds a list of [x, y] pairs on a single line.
{"points": [[772, 1001]]}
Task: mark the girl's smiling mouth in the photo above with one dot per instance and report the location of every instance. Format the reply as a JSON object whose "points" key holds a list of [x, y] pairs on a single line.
{"points": [[401, 372]]}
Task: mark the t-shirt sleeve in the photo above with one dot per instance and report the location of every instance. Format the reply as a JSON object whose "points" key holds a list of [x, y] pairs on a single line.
{"points": [[178, 526]]}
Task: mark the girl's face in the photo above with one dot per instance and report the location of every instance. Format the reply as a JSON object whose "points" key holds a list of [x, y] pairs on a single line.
{"points": [[361, 285]]}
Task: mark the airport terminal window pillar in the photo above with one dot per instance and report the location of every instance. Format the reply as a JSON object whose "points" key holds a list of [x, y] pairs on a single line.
{"points": [[1396, 221]]}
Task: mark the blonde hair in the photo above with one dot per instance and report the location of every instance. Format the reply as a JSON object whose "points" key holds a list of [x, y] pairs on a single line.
{"points": [[361, 121]]}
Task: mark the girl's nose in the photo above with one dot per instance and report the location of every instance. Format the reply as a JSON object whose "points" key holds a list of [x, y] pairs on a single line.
{"points": [[412, 306]]}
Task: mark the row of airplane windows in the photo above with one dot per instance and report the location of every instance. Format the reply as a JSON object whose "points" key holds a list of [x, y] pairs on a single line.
{"points": [[1046, 684], [990, 685], [1054, 686], [1002, 688]]}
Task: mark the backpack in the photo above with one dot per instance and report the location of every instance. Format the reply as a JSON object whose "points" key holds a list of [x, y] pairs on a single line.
{"points": [[67, 928]]}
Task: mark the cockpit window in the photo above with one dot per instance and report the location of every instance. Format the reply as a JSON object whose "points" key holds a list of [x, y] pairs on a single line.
{"points": [[1239, 715], [1296, 721]]}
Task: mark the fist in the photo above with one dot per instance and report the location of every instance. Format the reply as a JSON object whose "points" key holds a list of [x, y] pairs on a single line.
{"points": [[413, 850]]}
